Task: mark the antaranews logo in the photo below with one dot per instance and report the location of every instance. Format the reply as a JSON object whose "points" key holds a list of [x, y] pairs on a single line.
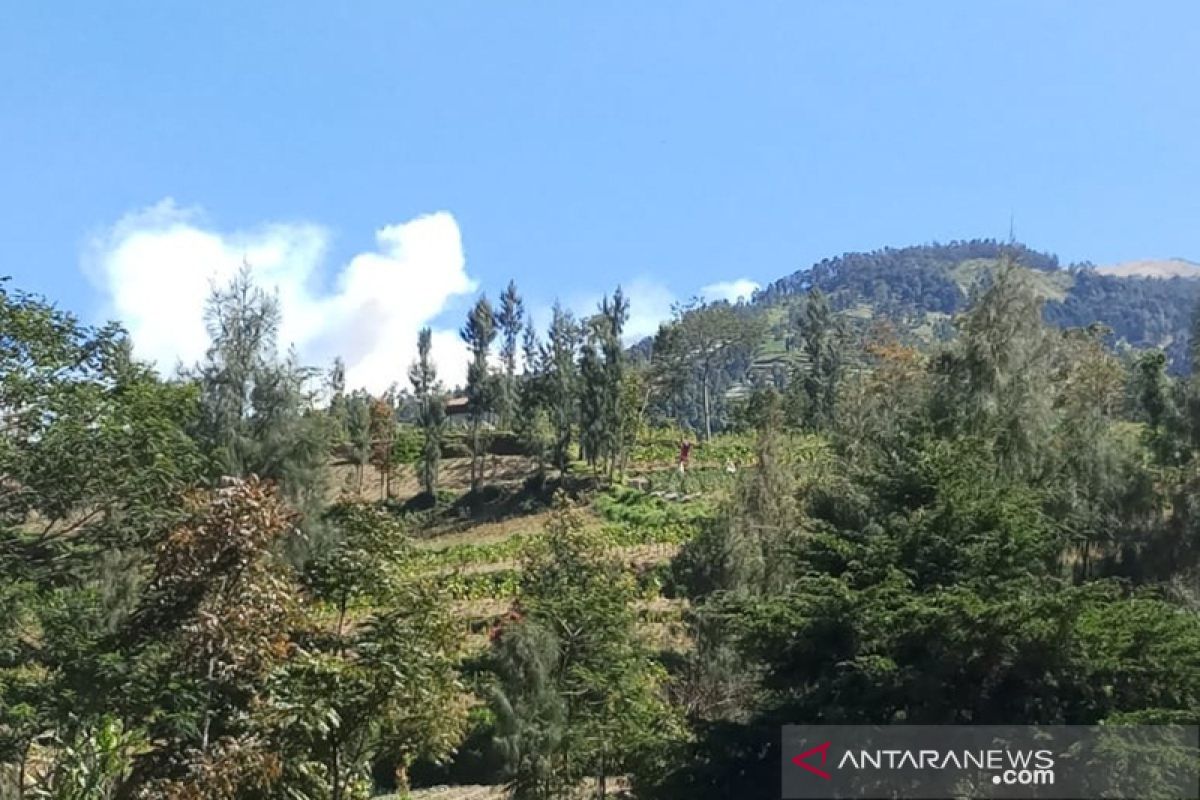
{"points": [[1011, 767], [990, 761], [802, 760]]}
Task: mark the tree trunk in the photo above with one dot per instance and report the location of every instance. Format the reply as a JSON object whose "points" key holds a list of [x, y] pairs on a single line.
{"points": [[335, 776], [212, 665], [474, 456], [21, 772], [707, 418]]}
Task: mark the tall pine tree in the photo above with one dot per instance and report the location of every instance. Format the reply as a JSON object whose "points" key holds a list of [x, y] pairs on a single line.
{"points": [[562, 377], [511, 320], [431, 410], [479, 332]]}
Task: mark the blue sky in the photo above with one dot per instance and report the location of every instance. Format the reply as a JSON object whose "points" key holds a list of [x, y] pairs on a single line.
{"points": [[576, 146]]}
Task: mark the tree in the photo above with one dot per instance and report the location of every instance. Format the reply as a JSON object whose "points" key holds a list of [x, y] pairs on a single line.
{"points": [[338, 407], [710, 339], [601, 375], [478, 333], [510, 319], [533, 426], [431, 413], [224, 605], [611, 323], [386, 689], [592, 390], [95, 458], [383, 438], [256, 416], [562, 377], [361, 562], [819, 375], [670, 370], [358, 432], [992, 383], [577, 693]]}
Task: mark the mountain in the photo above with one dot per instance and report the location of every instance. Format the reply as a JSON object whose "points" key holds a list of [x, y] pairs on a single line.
{"points": [[918, 289]]}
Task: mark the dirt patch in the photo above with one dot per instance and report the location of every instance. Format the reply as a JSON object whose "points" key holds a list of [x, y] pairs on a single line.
{"points": [[454, 475]]}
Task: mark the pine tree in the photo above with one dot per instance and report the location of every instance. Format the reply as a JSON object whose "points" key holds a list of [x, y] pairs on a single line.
{"points": [[479, 332], [819, 337], [592, 420], [562, 377], [358, 432], [431, 410], [578, 695], [338, 407], [613, 316], [510, 320], [993, 383], [532, 423], [256, 416]]}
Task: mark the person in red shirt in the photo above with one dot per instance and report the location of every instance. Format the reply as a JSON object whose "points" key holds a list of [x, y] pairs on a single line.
{"points": [[685, 452]]}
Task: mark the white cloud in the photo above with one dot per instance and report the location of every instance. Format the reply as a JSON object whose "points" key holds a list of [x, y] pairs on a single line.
{"points": [[156, 267], [742, 288], [649, 304]]}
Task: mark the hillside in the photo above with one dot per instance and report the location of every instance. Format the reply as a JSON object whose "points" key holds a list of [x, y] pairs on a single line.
{"points": [[1146, 303], [197, 593]]}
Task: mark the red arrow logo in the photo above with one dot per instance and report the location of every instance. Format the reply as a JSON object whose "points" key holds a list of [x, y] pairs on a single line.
{"points": [[823, 749]]}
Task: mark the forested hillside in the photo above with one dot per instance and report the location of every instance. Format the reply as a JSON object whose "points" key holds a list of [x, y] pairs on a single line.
{"points": [[914, 293], [916, 287], [249, 580]]}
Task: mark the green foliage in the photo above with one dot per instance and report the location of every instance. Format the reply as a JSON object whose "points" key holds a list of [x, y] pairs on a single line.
{"points": [[511, 321], [389, 692], [256, 414], [478, 333], [431, 411], [560, 377], [698, 349], [1003, 530], [363, 559], [948, 564], [92, 763], [817, 377], [576, 694]]}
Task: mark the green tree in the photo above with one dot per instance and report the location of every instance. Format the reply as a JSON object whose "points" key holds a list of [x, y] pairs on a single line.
{"points": [[358, 433], [478, 333], [95, 459], [511, 320], [385, 689], [592, 390], [533, 426], [578, 695], [256, 416], [710, 339], [561, 380], [613, 315], [819, 375], [431, 411], [993, 382], [338, 403], [361, 562]]}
